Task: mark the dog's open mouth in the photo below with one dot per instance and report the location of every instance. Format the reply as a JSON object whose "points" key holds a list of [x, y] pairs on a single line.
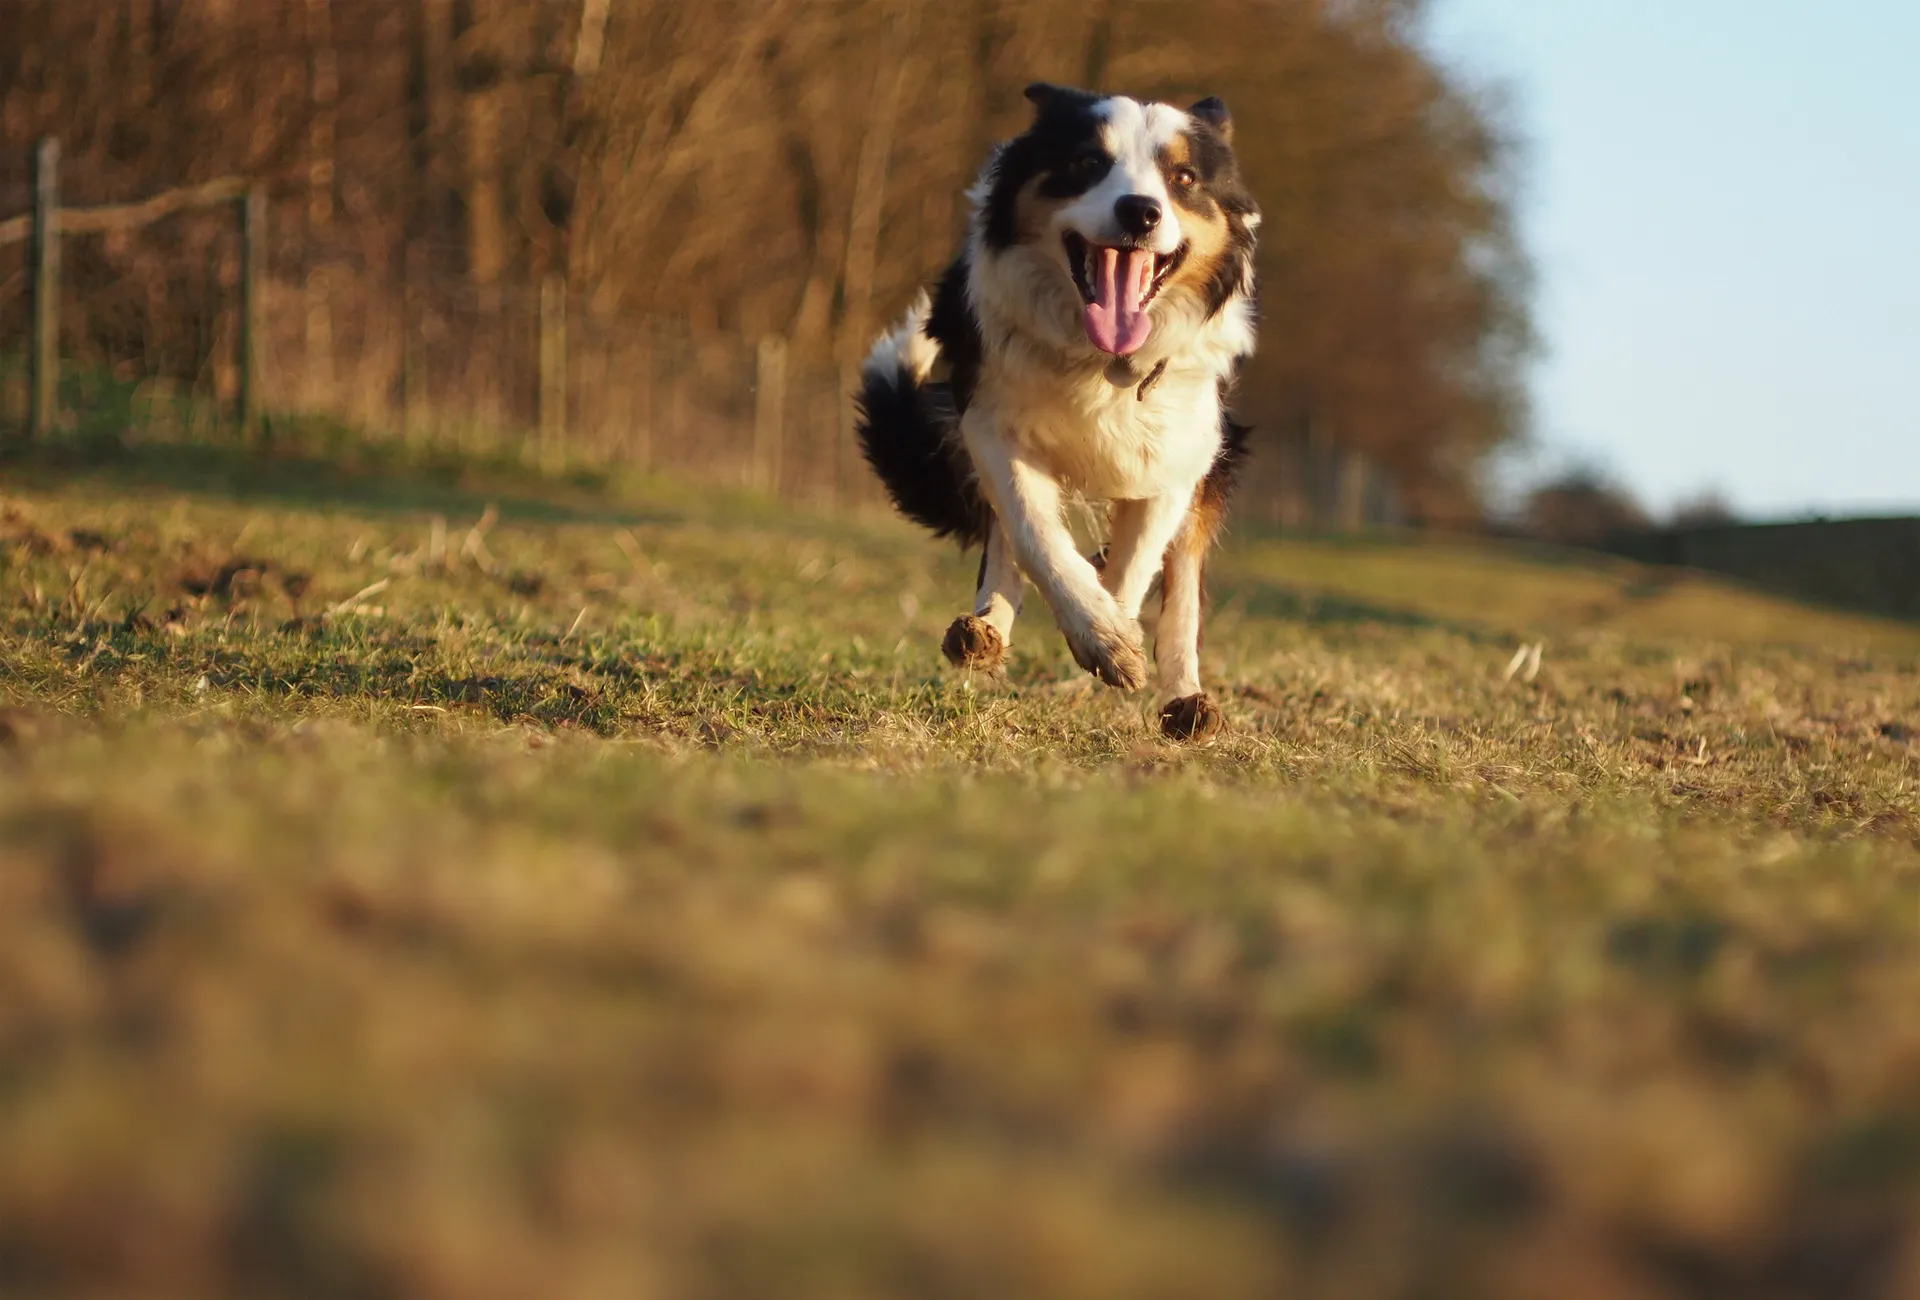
{"points": [[1118, 285]]}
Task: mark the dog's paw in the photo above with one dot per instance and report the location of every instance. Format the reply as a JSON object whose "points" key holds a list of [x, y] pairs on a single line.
{"points": [[972, 642], [1193, 718], [1112, 654]]}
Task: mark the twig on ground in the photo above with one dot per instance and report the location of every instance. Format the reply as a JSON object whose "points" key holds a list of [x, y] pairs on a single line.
{"points": [[371, 589]]}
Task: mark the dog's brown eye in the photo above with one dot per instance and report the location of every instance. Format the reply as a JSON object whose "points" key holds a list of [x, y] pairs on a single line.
{"points": [[1185, 177]]}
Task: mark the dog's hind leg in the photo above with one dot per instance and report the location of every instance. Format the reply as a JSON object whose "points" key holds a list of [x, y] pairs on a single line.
{"points": [[980, 639], [1186, 711]]}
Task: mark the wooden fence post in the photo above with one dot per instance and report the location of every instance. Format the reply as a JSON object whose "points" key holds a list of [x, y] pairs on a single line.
{"points": [[769, 406], [410, 388], [1352, 491], [1319, 460], [1296, 490], [553, 369], [253, 277], [674, 449], [845, 462], [44, 260], [641, 425]]}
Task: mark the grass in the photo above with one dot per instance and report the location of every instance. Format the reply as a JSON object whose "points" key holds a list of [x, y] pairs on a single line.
{"points": [[609, 893]]}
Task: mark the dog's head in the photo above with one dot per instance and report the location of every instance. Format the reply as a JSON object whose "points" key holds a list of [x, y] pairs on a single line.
{"points": [[1139, 207]]}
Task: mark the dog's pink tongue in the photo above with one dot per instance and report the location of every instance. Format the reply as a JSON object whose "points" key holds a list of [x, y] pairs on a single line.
{"points": [[1117, 319]]}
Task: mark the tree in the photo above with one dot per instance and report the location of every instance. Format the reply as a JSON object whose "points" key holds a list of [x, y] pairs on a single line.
{"points": [[1708, 509], [1581, 508], [796, 166]]}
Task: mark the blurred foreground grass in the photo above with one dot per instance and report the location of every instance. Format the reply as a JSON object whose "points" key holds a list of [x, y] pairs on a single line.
{"points": [[437, 882]]}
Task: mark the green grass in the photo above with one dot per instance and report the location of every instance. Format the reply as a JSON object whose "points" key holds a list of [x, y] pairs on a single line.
{"points": [[612, 894]]}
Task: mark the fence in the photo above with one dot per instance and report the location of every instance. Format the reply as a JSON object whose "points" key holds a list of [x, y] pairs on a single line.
{"points": [[1300, 479], [444, 362], [47, 225], [432, 358], [267, 319]]}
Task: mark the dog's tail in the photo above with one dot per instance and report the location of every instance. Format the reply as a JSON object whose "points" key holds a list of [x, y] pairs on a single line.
{"points": [[909, 431]]}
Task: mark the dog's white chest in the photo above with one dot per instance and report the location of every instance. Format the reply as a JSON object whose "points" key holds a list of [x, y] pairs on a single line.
{"points": [[1112, 441]]}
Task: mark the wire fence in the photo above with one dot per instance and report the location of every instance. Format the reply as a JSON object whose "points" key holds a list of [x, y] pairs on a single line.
{"points": [[439, 361], [401, 347]]}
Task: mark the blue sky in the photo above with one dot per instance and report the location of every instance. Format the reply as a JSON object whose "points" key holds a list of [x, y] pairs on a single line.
{"points": [[1723, 202]]}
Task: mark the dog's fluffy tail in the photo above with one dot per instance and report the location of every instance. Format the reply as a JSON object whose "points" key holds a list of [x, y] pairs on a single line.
{"points": [[909, 433]]}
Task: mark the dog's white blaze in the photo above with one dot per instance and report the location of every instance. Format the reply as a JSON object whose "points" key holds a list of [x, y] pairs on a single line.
{"points": [[1134, 134]]}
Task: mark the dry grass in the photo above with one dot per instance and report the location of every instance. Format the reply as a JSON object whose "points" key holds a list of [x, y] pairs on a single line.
{"points": [[616, 898]]}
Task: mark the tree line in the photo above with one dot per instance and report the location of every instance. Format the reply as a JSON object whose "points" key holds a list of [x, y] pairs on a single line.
{"points": [[797, 166]]}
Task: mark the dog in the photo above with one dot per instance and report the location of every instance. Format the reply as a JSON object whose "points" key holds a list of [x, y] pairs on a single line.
{"points": [[1084, 345]]}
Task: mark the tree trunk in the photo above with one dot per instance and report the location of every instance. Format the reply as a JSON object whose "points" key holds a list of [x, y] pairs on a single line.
{"points": [[428, 74], [812, 316], [323, 91], [590, 45], [562, 185], [1099, 48], [480, 121], [870, 177], [141, 31]]}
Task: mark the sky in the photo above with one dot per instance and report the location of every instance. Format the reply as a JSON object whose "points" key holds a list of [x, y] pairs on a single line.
{"points": [[1722, 200]]}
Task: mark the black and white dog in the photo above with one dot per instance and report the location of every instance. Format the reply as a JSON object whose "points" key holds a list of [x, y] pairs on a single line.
{"points": [[1083, 345]]}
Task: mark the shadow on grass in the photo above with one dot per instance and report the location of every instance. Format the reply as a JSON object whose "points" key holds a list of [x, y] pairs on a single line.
{"points": [[621, 685], [317, 464], [1258, 598]]}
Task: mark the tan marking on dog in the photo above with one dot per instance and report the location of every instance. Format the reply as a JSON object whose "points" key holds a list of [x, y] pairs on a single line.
{"points": [[974, 643], [1195, 719], [1209, 243], [1203, 221], [1177, 151]]}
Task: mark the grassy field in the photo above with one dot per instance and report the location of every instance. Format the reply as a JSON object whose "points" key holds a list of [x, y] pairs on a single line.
{"points": [[433, 881]]}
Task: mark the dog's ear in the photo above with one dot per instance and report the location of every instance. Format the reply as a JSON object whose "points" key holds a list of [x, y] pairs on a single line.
{"points": [[1045, 95], [1213, 111]]}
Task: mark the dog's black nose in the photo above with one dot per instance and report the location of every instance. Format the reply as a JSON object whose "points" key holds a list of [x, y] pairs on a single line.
{"points": [[1137, 214]]}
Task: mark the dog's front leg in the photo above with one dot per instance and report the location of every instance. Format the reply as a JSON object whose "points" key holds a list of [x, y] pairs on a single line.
{"points": [[1031, 508], [1142, 531]]}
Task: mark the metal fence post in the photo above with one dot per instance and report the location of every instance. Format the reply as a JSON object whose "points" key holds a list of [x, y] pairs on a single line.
{"points": [[44, 259]]}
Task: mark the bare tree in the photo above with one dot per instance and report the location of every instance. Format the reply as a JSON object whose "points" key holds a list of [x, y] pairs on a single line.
{"points": [[870, 174], [795, 166], [323, 80]]}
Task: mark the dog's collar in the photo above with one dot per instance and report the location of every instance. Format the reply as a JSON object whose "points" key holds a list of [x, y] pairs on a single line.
{"points": [[1120, 374]]}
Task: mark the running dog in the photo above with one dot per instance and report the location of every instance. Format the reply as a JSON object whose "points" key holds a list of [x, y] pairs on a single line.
{"points": [[1083, 345]]}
